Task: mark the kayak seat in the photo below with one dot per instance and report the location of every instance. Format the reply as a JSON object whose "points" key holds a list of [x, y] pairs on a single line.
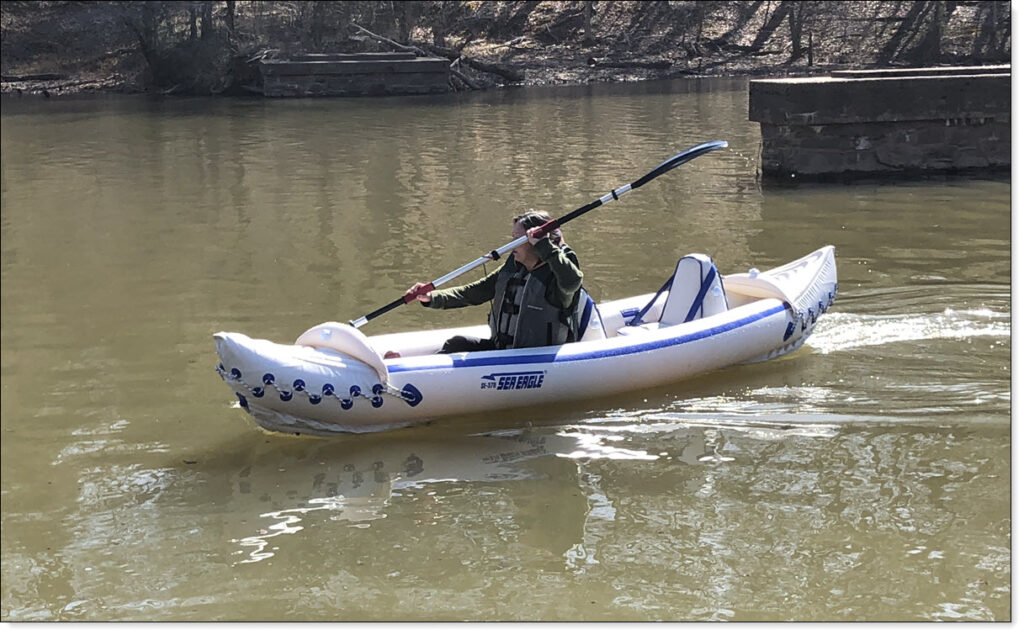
{"points": [[695, 291], [593, 326]]}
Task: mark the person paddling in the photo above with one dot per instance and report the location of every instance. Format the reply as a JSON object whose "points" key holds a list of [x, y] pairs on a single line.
{"points": [[535, 293]]}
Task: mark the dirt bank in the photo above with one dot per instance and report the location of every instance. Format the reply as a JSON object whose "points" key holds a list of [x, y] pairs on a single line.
{"points": [[58, 48]]}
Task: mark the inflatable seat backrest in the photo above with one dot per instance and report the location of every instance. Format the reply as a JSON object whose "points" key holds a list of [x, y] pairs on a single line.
{"points": [[696, 291], [590, 320]]}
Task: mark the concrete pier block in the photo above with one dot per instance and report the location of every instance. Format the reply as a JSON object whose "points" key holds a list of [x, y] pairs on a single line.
{"points": [[884, 122]]}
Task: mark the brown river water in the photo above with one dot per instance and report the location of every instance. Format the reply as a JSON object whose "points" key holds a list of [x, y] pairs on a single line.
{"points": [[865, 478]]}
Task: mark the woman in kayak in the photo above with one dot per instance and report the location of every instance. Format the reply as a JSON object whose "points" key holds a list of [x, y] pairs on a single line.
{"points": [[535, 295]]}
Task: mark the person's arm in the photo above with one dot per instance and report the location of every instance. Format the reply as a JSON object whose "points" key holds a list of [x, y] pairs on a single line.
{"points": [[568, 277], [470, 294]]}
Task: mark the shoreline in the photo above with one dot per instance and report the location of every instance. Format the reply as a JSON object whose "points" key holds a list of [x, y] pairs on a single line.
{"points": [[537, 74], [164, 48]]}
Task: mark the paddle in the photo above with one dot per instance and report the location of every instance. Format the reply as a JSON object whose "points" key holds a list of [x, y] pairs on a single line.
{"points": [[614, 195]]}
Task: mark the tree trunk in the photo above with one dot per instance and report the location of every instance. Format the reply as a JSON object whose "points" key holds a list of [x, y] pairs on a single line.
{"points": [[986, 43], [747, 13], [928, 49], [230, 17], [908, 27], [796, 29], [148, 31], [316, 24], [771, 24], [207, 22], [516, 22], [995, 23], [144, 27], [443, 16], [1001, 46], [407, 16], [932, 49], [982, 33], [192, 15], [588, 28], [402, 14], [701, 13]]}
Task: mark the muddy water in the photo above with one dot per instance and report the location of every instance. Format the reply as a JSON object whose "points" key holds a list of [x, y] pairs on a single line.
{"points": [[866, 477]]}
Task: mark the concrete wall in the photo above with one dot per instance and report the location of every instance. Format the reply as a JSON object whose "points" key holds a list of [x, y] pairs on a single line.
{"points": [[352, 76], [886, 122]]}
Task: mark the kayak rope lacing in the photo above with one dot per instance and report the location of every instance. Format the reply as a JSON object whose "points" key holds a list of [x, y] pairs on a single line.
{"points": [[234, 376]]}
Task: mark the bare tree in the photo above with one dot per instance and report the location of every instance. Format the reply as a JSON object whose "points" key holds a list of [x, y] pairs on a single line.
{"points": [[796, 29], [747, 10], [207, 19], [699, 36], [802, 18], [930, 47], [771, 24], [908, 28], [588, 27], [988, 42], [142, 19], [513, 16], [407, 15]]}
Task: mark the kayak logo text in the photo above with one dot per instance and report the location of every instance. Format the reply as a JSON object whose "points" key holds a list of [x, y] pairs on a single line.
{"points": [[513, 381]]}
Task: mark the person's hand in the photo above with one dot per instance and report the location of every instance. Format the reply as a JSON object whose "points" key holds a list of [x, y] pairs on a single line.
{"points": [[421, 291], [534, 235]]}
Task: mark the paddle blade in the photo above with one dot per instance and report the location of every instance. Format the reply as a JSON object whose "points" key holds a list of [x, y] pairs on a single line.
{"points": [[679, 159]]}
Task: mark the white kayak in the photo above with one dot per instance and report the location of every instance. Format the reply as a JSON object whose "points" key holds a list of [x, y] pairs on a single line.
{"points": [[334, 379]]}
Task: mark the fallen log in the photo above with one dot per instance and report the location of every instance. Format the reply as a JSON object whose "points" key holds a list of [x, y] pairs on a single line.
{"points": [[422, 49], [48, 86], [462, 76], [38, 77], [600, 62], [507, 72], [511, 74], [393, 44]]}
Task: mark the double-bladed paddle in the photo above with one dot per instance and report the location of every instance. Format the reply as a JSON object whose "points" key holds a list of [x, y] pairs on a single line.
{"points": [[614, 195]]}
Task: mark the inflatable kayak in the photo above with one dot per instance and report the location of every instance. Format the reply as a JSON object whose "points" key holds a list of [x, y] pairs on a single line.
{"points": [[335, 379]]}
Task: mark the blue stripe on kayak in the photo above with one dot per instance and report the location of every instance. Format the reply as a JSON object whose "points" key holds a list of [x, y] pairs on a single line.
{"points": [[560, 356]]}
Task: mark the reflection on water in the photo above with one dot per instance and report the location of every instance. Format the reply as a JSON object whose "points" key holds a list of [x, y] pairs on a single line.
{"points": [[356, 486]]}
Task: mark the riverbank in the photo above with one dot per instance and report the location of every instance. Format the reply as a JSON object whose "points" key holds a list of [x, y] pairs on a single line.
{"points": [[59, 48], [548, 66], [560, 67]]}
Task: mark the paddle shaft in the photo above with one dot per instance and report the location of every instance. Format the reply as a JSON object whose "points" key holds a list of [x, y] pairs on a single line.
{"points": [[614, 195]]}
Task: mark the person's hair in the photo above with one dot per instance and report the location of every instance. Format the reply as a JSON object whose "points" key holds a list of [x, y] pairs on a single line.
{"points": [[535, 218]]}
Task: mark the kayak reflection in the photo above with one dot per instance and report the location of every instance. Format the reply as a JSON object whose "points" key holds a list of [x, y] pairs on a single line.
{"points": [[361, 480]]}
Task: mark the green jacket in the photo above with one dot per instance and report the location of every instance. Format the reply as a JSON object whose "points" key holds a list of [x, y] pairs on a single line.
{"points": [[545, 311], [566, 274]]}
